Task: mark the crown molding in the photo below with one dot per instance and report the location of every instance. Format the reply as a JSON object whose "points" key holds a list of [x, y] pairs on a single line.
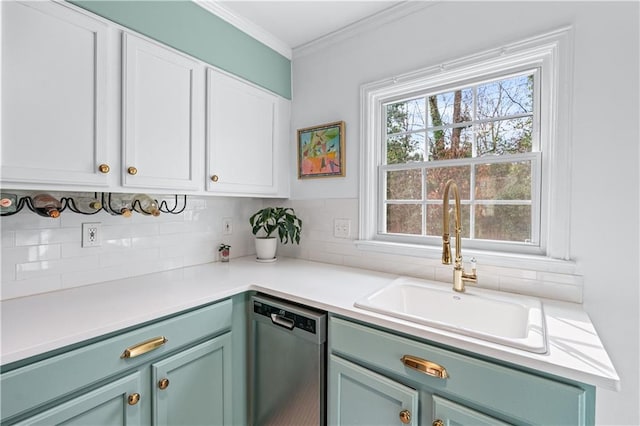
{"points": [[374, 21], [246, 26]]}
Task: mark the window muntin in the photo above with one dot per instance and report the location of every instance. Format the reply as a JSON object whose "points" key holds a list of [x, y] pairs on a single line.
{"points": [[481, 134]]}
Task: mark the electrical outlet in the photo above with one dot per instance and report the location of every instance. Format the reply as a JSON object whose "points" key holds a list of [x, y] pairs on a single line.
{"points": [[342, 228], [91, 234], [227, 226]]}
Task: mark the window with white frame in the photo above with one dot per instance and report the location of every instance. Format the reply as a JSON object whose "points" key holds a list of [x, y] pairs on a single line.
{"points": [[490, 122]]}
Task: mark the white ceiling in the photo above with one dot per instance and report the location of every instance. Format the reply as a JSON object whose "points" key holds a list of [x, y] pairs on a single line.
{"points": [[295, 23]]}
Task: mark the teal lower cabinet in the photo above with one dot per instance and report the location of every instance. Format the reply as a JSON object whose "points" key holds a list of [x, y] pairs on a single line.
{"points": [[189, 387], [106, 405], [174, 371], [362, 397], [377, 377]]}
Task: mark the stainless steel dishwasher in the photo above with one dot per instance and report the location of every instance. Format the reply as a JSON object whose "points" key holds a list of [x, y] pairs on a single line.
{"points": [[288, 363]]}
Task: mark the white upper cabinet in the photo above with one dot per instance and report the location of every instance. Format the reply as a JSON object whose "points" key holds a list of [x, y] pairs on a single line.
{"points": [[162, 117], [90, 106], [245, 129], [53, 96]]}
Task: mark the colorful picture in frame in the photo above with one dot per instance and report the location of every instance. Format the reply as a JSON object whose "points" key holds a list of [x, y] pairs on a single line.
{"points": [[321, 151]]}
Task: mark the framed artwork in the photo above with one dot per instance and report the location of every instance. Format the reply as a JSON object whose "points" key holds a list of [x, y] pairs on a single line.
{"points": [[321, 151]]}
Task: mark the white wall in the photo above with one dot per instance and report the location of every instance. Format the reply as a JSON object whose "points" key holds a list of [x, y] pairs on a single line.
{"points": [[41, 254], [604, 205]]}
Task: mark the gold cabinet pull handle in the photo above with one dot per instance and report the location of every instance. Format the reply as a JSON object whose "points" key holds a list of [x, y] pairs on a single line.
{"points": [[104, 168], [133, 399], [144, 347], [214, 178], [163, 384], [405, 416], [427, 367], [437, 422], [132, 170]]}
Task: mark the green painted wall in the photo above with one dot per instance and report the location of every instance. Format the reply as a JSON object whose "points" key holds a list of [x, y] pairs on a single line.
{"points": [[189, 28]]}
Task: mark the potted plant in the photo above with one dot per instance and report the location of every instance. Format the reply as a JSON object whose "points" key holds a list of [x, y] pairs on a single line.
{"points": [[223, 249], [269, 220]]}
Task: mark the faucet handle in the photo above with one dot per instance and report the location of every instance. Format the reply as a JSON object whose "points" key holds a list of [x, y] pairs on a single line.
{"points": [[473, 263], [471, 278]]}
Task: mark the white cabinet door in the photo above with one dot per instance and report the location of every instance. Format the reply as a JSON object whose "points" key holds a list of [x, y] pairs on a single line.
{"points": [[53, 95], [162, 116], [241, 146]]}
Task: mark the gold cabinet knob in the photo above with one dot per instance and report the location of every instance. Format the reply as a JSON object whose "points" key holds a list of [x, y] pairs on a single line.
{"points": [[214, 178], [405, 416], [163, 384], [437, 422], [104, 168], [133, 399], [132, 170]]}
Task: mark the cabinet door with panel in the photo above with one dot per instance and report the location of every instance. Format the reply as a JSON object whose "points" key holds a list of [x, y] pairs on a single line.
{"points": [[450, 413], [53, 96], [115, 403], [162, 116], [193, 387], [358, 396], [242, 120]]}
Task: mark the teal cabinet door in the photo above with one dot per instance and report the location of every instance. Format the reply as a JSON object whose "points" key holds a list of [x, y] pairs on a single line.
{"points": [[358, 396], [193, 387], [451, 414], [116, 403]]}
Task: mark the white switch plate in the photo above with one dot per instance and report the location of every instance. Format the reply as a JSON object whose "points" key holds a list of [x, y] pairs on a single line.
{"points": [[342, 228], [91, 234], [227, 226]]}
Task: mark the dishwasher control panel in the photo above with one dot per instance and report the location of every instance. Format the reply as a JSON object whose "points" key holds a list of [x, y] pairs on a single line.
{"points": [[297, 321]]}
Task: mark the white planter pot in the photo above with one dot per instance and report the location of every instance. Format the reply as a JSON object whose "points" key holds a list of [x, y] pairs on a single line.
{"points": [[266, 248]]}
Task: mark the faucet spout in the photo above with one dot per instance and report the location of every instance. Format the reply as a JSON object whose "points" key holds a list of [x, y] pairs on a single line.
{"points": [[459, 276]]}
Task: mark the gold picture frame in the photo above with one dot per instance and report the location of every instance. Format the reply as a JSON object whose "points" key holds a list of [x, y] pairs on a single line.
{"points": [[321, 151]]}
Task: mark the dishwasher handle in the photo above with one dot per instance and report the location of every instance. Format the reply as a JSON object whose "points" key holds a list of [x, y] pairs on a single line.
{"points": [[282, 321]]}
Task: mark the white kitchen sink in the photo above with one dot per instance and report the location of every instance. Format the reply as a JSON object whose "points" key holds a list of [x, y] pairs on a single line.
{"points": [[510, 320]]}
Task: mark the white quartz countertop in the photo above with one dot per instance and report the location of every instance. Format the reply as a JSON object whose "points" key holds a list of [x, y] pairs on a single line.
{"points": [[37, 324]]}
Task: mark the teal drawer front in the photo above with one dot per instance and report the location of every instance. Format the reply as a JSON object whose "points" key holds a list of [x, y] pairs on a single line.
{"points": [[39, 383], [514, 395]]}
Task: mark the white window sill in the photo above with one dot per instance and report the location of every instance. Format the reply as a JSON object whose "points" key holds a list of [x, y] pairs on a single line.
{"points": [[499, 259]]}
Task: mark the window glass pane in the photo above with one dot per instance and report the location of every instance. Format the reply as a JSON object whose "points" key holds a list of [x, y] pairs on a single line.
{"points": [[446, 144], [406, 116], [434, 220], [405, 149], [505, 97], [446, 109], [503, 181], [404, 219], [504, 136], [404, 185], [437, 177], [503, 223]]}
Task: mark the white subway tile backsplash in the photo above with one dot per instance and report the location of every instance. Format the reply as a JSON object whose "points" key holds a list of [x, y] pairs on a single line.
{"points": [[55, 267], [8, 238], [13, 289], [41, 255], [30, 237], [24, 254]]}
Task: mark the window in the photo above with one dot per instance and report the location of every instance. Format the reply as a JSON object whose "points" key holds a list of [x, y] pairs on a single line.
{"points": [[492, 123], [481, 136]]}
